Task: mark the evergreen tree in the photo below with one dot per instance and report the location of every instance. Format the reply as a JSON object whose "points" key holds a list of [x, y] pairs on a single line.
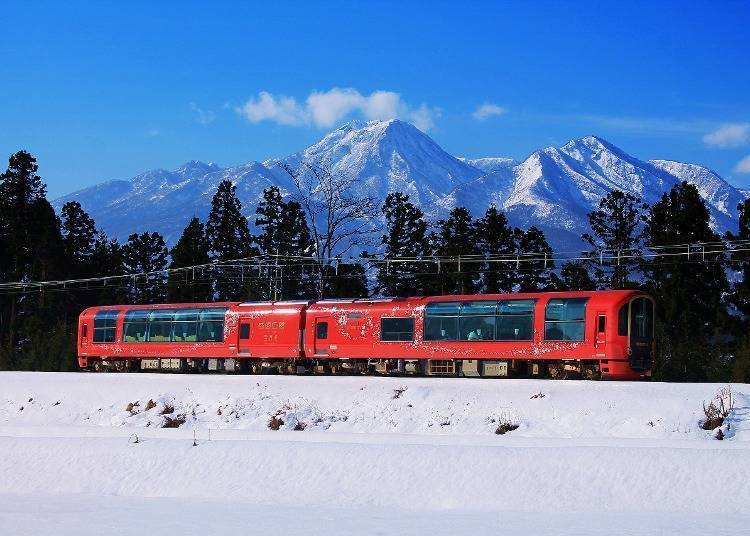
{"points": [[285, 237], [617, 227], [741, 289], [297, 280], [229, 238], [689, 296], [406, 238], [269, 214], [144, 253], [107, 260], [496, 238], [30, 237], [79, 237], [574, 275], [347, 280], [191, 250], [536, 272], [456, 237]]}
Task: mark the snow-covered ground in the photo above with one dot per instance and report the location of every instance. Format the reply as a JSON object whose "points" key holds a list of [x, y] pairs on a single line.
{"points": [[81, 454]]}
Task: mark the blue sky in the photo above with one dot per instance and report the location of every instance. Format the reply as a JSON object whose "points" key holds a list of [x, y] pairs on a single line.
{"points": [[107, 90]]}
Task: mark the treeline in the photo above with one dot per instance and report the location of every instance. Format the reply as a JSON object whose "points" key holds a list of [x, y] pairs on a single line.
{"points": [[703, 301]]}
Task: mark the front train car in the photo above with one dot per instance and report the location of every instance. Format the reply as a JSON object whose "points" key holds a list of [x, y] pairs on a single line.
{"points": [[597, 334]]}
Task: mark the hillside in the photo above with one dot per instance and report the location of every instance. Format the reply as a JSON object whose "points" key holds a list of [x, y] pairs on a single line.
{"points": [[553, 188]]}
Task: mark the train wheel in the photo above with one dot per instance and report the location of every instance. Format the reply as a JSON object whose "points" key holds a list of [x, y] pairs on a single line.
{"points": [[98, 366]]}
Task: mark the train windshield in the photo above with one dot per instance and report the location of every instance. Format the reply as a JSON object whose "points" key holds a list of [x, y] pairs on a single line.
{"points": [[641, 318]]}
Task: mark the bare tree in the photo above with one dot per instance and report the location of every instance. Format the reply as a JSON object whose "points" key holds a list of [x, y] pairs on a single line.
{"points": [[340, 214]]}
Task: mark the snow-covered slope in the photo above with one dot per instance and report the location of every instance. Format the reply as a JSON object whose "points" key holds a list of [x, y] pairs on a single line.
{"points": [[553, 188], [85, 454]]}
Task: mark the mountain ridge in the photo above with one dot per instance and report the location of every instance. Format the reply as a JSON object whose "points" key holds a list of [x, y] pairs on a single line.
{"points": [[553, 188]]}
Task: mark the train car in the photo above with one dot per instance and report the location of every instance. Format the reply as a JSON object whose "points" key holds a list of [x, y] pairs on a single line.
{"points": [[594, 334], [597, 334], [227, 336]]}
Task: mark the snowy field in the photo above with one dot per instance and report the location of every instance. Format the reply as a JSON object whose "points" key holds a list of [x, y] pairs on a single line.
{"points": [[88, 454]]}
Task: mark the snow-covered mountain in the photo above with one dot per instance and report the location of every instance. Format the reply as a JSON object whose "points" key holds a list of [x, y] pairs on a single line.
{"points": [[553, 188]]}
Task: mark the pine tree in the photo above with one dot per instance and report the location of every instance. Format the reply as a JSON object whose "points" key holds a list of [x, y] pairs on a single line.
{"points": [[229, 238], [456, 236], [496, 238], [144, 253], [536, 271], [689, 296], [191, 250], [295, 242], [617, 227], [107, 260], [79, 237], [406, 238], [574, 275], [345, 280], [30, 237], [285, 237], [269, 214]]}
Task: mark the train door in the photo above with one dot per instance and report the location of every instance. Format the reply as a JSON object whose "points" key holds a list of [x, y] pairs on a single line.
{"points": [[600, 337], [321, 335], [641, 333], [243, 344]]}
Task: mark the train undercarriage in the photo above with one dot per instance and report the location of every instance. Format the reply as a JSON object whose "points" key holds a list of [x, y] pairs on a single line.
{"points": [[484, 368]]}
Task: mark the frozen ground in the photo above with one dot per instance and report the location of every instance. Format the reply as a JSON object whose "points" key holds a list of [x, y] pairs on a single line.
{"points": [[376, 456]]}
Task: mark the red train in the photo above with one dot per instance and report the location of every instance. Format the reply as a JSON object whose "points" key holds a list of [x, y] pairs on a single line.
{"points": [[598, 334]]}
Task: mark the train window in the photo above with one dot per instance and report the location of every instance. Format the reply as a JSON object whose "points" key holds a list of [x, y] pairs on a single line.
{"points": [[602, 324], [321, 330], [564, 319], [515, 320], [442, 308], [622, 320], [135, 326], [211, 324], [174, 325], [105, 325], [641, 318], [440, 328], [396, 329], [244, 331], [160, 325], [476, 328], [441, 321], [185, 325], [478, 308]]}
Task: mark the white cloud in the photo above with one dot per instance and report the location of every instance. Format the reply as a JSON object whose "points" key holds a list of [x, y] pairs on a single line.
{"points": [[326, 108], [728, 135], [204, 117], [487, 110], [743, 166], [281, 109]]}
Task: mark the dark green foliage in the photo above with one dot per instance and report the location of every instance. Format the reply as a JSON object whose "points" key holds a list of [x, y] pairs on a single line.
{"points": [[345, 280], [689, 295], [457, 236], [229, 238], [496, 238], [191, 250], [146, 253], [32, 242], [79, 237], [285, 239], [574, 275], [536, 274], [617, 225], [406, 238]]}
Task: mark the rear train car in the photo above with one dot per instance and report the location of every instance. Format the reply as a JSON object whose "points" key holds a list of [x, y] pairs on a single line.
{"points": [[597, 334]]}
